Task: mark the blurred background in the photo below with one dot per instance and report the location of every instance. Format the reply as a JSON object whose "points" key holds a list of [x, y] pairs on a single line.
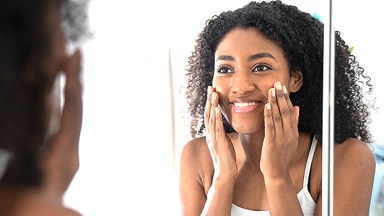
{"points": [[134, 126]]}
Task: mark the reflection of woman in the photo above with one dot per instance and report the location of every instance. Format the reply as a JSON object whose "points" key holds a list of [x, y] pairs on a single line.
{"points": [[37, 166], [264, 62]]}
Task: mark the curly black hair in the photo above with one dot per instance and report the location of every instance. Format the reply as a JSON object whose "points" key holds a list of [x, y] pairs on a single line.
{"points": [[26, 42], [300, 36]]}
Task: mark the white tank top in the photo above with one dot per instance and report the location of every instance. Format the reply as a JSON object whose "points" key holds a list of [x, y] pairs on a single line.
{"points": [[307, 204]]}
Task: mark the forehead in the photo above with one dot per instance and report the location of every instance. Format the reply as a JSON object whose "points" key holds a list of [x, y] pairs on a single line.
{"points": [[247, 41]]}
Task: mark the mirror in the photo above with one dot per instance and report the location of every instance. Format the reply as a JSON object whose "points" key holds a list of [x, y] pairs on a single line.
{"points": [[134, 126], [352, 21]]}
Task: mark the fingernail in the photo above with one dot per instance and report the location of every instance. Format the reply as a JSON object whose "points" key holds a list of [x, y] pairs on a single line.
{"points": [[273, 92], [278, 86], [268, 106], [285, 90], [209, 89]]}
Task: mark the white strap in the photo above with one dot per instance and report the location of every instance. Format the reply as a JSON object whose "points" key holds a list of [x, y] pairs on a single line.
{"points": [[309, 163]]}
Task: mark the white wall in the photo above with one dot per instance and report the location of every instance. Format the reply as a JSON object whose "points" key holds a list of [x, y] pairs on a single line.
{"points": [[128, 144], [360, 23]]}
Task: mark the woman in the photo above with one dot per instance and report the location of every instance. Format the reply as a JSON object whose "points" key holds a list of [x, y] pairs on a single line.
{"points": [[259, 69], [38, 157]]}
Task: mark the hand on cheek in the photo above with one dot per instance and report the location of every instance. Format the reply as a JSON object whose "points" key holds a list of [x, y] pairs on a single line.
{"points": [[60, 161], [281, 133], [219, 144]]}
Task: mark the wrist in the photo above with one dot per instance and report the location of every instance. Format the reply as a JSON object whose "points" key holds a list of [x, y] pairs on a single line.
{"points": [[277, 182], [224, 178], [222, 186]]}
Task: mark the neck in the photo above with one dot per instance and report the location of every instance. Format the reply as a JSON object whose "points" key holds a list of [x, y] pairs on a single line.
{"points": [[250, 147]]}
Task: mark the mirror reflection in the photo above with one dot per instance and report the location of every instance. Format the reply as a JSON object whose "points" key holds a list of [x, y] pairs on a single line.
{"points": [[135, 72], [260, 69]]}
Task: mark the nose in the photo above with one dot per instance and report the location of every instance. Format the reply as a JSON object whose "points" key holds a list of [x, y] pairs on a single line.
{"points": [[242, 83]]}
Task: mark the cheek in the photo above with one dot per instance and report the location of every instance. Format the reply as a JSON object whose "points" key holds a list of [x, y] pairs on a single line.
{"points": [[271, 82], [214, 82], [221, 84], [222, 87]]}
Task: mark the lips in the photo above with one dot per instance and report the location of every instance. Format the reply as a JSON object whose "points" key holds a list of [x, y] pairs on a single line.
{"points": [[245, 107]]}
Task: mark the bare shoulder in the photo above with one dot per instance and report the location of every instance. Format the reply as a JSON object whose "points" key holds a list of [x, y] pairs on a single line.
{"points": [[70, 212], [354, 153], [193, 148], [349, 153], [46, 210], [61, 211], [353, 159], [354, 170], [195, 156], [196, 167]]}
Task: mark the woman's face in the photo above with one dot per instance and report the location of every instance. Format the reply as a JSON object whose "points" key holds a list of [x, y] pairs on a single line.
{"points": [[247, 64]]}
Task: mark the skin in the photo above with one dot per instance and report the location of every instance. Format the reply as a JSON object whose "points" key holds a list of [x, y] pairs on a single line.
{"points": [[60, 160], [261, 166]]}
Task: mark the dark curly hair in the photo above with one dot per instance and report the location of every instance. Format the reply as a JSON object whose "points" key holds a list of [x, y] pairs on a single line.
{"points": [[300, 36], [26, 42]]}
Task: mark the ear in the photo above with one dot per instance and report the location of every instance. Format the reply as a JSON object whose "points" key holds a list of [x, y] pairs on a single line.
{"points": [[295, 81]]}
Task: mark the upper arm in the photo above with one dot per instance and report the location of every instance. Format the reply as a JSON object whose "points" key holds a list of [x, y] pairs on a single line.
{"points": [[319, 205], [192, 193], [354, 170]]}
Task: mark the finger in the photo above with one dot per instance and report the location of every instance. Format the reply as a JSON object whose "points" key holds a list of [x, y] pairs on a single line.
{"points": [[294, 115], [297, 114], [208, 108], [220, 131], [221, 139], [71, 120], [276, 117], [212, 121], [269, 126], [212, 152], [284, 112]]}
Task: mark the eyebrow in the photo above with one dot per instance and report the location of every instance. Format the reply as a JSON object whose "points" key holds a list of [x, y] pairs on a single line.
{"points": [[250, 58], [260, 55]]}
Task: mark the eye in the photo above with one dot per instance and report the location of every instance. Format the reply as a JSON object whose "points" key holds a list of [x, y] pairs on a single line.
{"points": [[224, 70], [261, 67]]}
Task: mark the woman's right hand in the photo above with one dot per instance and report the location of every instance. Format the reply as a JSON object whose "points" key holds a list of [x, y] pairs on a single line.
{"points": [[61, 160], [219, 144]]}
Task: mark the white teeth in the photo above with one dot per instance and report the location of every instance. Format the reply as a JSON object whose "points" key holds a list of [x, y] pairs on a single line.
{"points": [[245, 104]]}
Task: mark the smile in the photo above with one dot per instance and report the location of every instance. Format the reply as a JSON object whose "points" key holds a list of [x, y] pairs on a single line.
{"points": [[244, 107], [245, 104]]}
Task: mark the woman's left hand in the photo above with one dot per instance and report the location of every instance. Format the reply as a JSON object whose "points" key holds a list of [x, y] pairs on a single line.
{"points": [[281, 133]]}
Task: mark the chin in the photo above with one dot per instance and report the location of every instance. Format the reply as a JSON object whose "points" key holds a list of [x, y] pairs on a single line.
{"points": [[247, 128], [247, 124]]}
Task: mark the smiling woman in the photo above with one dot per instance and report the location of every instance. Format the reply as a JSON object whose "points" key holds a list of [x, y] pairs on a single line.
{"points": [[255, 86], [243, 50], [137, 50]]}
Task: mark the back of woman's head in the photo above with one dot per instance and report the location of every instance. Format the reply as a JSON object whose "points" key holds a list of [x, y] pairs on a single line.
{"points": [[23, 84], [26, 43]]}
